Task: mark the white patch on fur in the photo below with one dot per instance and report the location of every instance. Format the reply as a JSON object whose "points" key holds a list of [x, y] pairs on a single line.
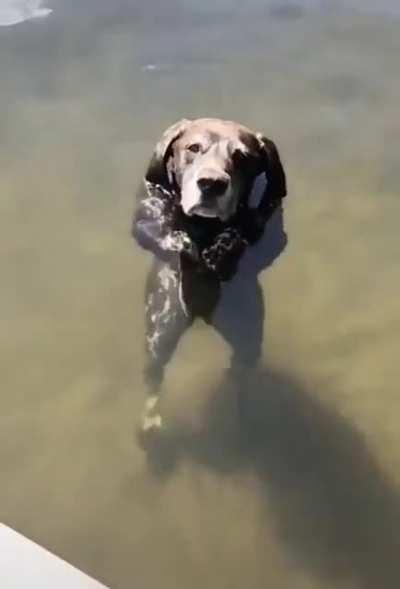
{"points": [[153, 422], [151, 416], [191, 194], [165, 310], [167, 275], [152, 342], [151, 403], [182, 300], [169, 243], [237, 144], [154, 205]]}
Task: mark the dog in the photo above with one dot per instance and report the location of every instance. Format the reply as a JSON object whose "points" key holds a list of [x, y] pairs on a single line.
{"points": [[195, 214]]}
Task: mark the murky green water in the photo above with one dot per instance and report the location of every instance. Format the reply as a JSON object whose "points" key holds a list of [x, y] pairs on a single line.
{"points": [[311, 498]]}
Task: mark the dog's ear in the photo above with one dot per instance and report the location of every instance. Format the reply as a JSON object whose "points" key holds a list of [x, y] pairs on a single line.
{"points": [[158, 171], [272, 165]]}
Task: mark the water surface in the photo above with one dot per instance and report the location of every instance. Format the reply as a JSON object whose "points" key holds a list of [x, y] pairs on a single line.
{"points": [[310, 499]]}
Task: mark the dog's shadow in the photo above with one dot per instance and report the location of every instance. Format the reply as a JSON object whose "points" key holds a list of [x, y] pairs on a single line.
{"points": [[237, 306], [333, 509]]}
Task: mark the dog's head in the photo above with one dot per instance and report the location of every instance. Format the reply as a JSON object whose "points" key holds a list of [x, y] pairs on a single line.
{"points": [[211, 164]]}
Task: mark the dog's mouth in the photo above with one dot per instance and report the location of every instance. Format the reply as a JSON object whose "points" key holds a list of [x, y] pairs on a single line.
{"points": [[205, 211]]}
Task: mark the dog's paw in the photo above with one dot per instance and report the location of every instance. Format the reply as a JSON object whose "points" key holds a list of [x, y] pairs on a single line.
{"points": [[148, 438], [151, 424], [180, 242], [223, 255]]}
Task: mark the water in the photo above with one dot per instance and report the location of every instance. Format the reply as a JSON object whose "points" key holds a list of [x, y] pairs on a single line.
{"points": [[13, 12], [310, 498]]}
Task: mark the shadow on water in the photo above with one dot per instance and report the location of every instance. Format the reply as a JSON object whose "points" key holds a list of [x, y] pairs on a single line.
{"points": [[333, 509]]}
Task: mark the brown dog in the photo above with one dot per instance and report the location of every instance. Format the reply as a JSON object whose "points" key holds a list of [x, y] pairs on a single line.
{"points": [[197, 217]]}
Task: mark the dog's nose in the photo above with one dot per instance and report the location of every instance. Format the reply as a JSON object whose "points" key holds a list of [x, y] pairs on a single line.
{"points": [[212, 186]]}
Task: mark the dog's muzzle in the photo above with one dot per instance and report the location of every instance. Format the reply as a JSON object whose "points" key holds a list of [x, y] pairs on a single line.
{"points": [[207, 195]]}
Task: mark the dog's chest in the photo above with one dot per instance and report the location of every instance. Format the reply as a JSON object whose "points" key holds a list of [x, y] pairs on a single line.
{"points": [[202, 231]]}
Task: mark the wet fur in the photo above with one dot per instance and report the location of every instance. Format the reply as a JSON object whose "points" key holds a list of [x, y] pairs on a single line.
{"points": [[195, 256]]}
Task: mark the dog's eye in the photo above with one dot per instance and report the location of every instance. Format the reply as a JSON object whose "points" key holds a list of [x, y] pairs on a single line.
{"points": [[194, 147]]}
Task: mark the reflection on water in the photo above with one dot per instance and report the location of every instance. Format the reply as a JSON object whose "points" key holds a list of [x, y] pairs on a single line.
{"points": [[306, 492], [13, 12]]}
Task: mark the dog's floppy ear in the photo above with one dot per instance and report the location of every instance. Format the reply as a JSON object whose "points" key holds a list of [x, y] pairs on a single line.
{"points": [[266, 162], [276, 178], [157, 171]]}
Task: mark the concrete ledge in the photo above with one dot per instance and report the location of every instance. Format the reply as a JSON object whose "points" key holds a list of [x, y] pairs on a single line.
{"points": [[25, 565]]}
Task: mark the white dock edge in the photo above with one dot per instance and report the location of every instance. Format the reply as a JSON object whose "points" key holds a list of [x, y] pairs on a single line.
{"points": [[25, 565]]}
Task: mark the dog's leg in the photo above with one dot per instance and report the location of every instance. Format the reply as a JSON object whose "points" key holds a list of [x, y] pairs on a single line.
{"points": [[166, 321]]}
